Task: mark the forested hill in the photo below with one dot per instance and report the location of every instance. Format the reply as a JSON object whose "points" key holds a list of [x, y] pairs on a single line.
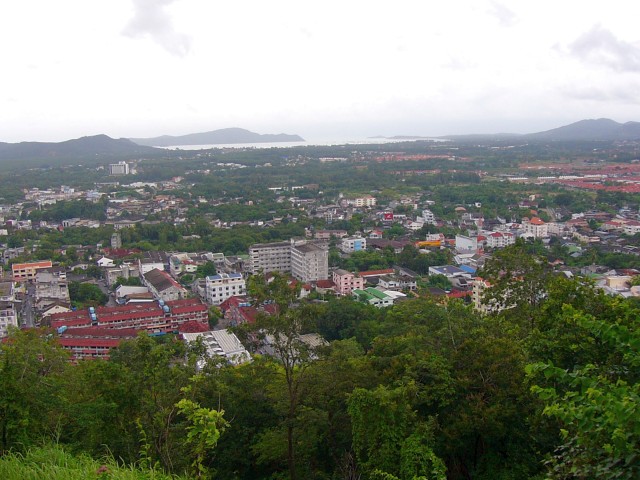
{"points": [[90, 147], [587, 130], [222, 136]]}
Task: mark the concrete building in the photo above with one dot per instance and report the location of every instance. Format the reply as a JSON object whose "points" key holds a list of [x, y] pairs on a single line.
{"points": [[466, 244], [221, 344], [500, 239], [270, 257], [158, 316], [309, 263], [8, 317], [346, 282], [27, 271], [535, 227], [353, 244], [120, 168], [222, 286], [116, 240], [163, 286]]}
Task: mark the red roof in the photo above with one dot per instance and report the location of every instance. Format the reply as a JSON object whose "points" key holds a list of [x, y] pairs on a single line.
{"points": [[375, 273], [325, 284]]}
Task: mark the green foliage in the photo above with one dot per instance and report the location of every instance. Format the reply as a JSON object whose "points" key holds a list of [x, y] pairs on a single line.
{"points": [[54, 462], [204, 430], [86, 294], [598, 405]]}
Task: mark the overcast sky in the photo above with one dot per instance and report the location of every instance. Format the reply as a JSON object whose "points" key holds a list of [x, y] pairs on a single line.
{"points": [[326, 70]]}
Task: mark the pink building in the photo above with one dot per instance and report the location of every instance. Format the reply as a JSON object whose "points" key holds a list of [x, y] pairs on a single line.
{"points": [[347, 281]]}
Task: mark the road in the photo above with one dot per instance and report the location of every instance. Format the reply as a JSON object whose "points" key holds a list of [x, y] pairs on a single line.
{"points": [[28, 314]]}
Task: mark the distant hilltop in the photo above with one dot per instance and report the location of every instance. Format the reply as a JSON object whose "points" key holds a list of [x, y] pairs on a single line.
{"points": [[216, 137], [96, 146], [601, 129]]}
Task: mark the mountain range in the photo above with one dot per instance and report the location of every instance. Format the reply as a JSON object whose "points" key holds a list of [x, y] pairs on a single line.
{"points": [[103, 147], [217, 137], [79, 148]]}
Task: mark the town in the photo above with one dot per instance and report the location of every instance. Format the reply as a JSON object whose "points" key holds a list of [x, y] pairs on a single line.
{"points": [[213, 248]]}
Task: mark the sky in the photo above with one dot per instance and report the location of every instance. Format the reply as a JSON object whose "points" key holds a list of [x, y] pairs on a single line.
{"points": [[330, 70]]}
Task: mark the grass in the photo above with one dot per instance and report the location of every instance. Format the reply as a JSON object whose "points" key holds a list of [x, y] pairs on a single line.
{"points": [[52, 462]]}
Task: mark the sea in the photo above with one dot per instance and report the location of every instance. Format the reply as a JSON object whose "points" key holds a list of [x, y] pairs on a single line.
{"points": [[366, 141]]}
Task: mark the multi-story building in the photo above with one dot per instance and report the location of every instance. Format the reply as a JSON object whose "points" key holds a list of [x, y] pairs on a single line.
{"points": [[353, 244], [8, 317], [93, 342], [364, 201], [27, 271], [224, 285], [535, 227], [346, 282], [158, 316], [309, 263], [270, 257], [120, 168], [428, 217], [466, 244], [500, 239]]}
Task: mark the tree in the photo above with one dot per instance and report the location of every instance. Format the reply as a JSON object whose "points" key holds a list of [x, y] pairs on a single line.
{"points": [[598, 404], [204, 430], [32, 366]]}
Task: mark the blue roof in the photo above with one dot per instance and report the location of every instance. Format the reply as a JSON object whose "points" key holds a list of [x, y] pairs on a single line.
{"points": [[467, 268]]}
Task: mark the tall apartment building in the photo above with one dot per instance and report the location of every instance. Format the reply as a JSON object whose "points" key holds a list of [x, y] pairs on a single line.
{"points": [[222, 286], [120, 168], [270, 257], [309, 263]]}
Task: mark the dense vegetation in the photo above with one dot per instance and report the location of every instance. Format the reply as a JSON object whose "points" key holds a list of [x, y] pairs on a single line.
{"points": [[549, 387]]}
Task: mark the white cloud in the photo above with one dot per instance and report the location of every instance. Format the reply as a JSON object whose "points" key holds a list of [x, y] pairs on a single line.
{"points": [[151, 19]]}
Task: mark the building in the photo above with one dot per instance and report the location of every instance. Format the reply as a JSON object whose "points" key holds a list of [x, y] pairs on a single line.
{"points": [[116, 240], [27, 271], [500, 239], [92, 342], [153, 317], [345, 282], [309, 263], [221, 344], [163, 286], [466, 244], [428, 217], [222, 286], [364, 201], [270, 257], [120, 168], [353, 244], [153, 260], [373, 297], [51, 287], [535, 227], [8, 317]]}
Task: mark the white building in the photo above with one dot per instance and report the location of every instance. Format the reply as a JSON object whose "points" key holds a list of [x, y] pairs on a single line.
{"points": [[353, 244], [224, 285], [309, 263], [466, 244], [428, 217], [120, 168], [220, 343], [500, 239], [270, 257], [535, 227]]}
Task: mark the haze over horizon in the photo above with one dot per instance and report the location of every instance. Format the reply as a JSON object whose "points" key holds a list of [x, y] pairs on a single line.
{"points": [[144, 68]]}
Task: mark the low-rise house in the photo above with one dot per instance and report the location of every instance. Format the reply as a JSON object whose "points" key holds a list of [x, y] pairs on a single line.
{"points": [[373, 297], [163, 286]]}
